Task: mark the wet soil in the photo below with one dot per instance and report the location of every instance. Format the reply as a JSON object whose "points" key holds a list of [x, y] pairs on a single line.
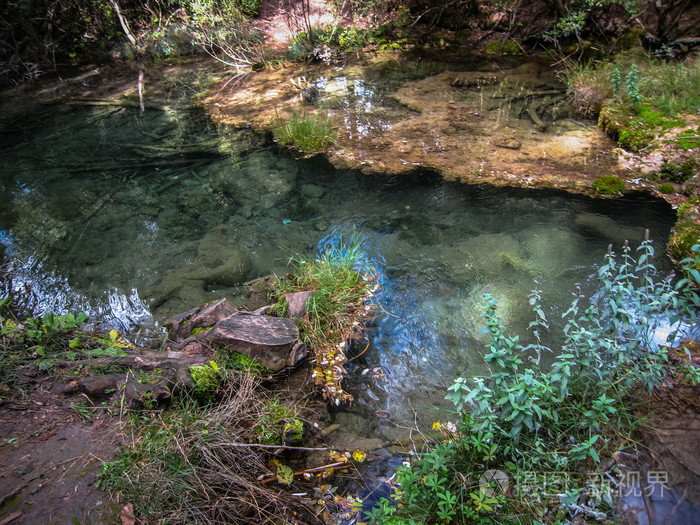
{"points": [[51, 449]]}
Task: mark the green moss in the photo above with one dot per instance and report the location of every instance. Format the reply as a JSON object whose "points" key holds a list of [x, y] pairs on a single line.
{"points": [[201, 329], [685, 211], [634, 127], [689, 139], [685, 235], [206, 379], [508, 47], [667, 189], [293, 432], [609, 185], [242, 362]]}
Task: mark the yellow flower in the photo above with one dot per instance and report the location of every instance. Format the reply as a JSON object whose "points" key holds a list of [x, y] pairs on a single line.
{"points": [[359, 455], [437, 425]]}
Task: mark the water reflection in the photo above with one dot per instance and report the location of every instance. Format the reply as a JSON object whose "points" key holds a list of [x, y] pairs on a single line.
{"points": [[135, 217]]}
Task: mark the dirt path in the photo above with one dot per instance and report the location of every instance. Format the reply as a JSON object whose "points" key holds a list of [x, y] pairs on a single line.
{"points": [[51, 449]]}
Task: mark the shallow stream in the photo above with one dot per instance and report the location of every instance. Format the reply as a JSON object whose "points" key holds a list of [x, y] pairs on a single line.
{"points": [[133, 216]]}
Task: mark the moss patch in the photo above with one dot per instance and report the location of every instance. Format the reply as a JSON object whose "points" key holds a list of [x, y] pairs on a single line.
{"points": [[609, 185], [507, 47], [685, 235], [207, 379]]}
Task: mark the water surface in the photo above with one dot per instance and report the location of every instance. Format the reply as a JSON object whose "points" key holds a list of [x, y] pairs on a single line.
{"points": [[133, 216]]}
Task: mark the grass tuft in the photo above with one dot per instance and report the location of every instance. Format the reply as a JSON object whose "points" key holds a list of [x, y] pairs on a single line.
{"points": [[307, 133], [343, 281]]}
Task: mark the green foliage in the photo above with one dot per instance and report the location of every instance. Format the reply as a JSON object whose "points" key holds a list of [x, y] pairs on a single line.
{"points": [[616, 80], [667, 188], [41, 340], [293, 432], [579, 12], [526, 418], [307, 133], [321, 43], [343, 280], [272, 421], [609, 185], [669, 88], [632, 85]]}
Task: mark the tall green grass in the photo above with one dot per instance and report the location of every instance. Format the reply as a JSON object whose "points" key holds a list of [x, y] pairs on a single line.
{"points": [[307, 133], [671, 87]]}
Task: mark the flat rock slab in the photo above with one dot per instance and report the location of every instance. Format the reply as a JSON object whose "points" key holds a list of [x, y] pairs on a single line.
{"points": [[181, 326], [296, 303], [267, 340]]}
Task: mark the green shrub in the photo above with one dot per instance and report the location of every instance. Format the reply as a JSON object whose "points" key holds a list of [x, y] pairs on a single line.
{"points": [[667, 189], [525, 418], [609, 185], [307, 133]]}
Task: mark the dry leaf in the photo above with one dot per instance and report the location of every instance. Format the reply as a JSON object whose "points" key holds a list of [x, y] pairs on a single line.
{"points": [[127, 515]]}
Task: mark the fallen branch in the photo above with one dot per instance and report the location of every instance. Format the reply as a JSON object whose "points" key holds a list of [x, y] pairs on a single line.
{"points": [[284, 447]]}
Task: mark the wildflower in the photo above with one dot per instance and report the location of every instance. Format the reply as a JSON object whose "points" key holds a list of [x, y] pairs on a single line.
{"points": [[437, 425], [359, 455]]}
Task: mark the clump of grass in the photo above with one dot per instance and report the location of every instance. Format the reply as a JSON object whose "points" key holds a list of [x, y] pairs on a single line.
{"points": [[307, 133], [343, 281], [667, 189], [609, 185]]}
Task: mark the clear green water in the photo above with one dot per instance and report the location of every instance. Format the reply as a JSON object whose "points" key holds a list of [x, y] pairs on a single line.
{"points": [[134, 217]]}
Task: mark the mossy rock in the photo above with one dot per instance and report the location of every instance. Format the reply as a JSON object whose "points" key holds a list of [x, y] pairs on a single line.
{"points": [[507, 47], [206, 379], [293, 432], [667, 189], [609, 185], [685, 235]]}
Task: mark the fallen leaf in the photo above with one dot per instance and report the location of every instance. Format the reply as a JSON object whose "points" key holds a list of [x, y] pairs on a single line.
{"points": [[127, 515]]}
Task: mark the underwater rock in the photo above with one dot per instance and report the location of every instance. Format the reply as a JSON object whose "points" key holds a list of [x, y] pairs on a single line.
{"points": [[257, 291]]}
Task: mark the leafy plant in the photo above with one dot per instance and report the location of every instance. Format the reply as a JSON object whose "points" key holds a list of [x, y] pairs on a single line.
{"points": [[632, 85], [523, 418], [342, 280]]}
